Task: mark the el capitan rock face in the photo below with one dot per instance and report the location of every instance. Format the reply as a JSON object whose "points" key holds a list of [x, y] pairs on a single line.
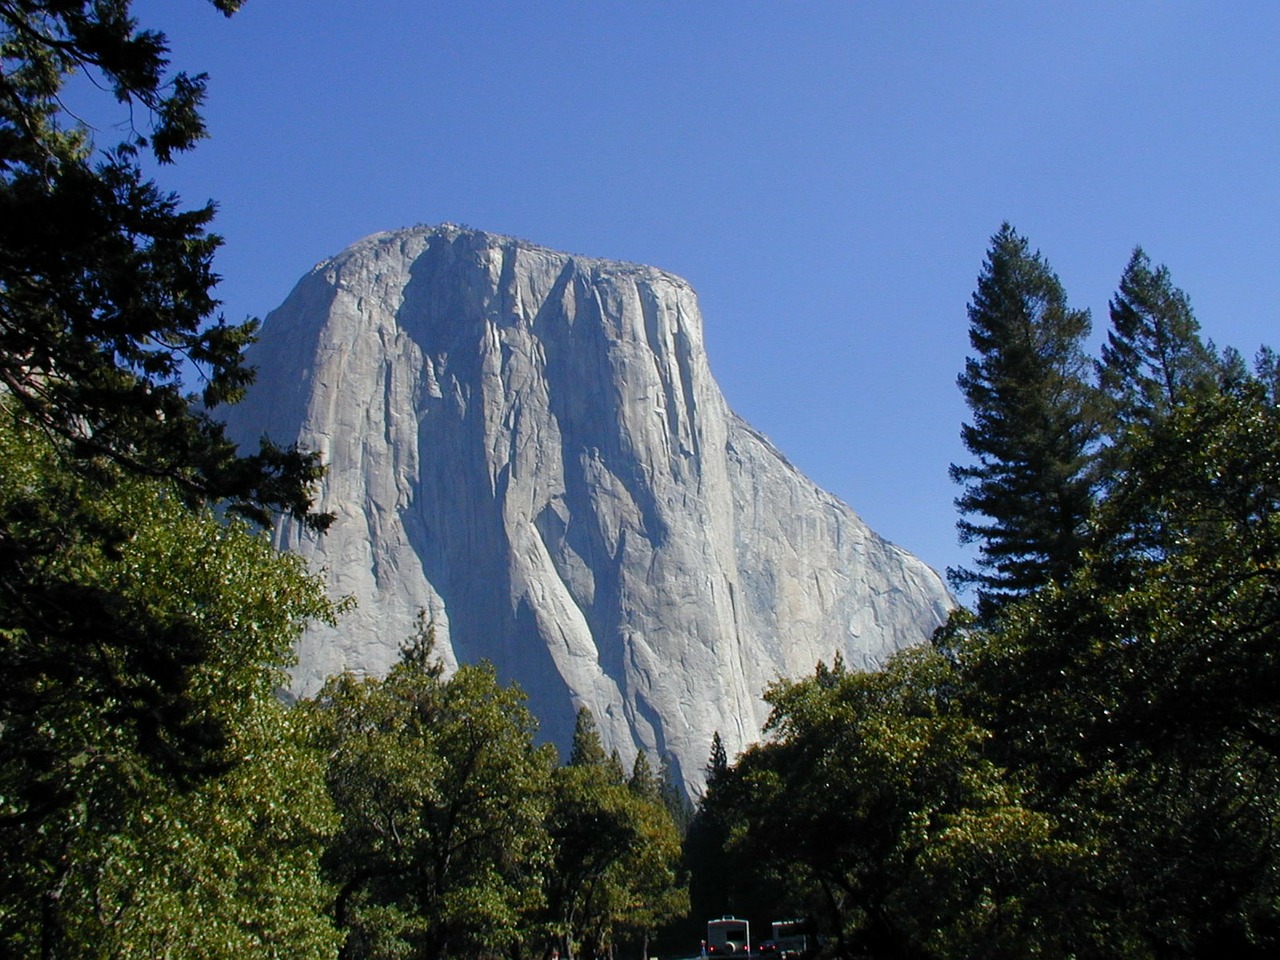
{"points": [[529, 446]]}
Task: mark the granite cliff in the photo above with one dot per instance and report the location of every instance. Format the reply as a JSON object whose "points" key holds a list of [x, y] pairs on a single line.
{"points": [[530, 447]]}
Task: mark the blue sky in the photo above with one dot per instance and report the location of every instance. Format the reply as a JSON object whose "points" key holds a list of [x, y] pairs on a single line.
{"points": [[826, 175]]}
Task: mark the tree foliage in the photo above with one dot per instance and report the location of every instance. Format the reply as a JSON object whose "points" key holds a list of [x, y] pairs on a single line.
{"points": [[1033, 428], [226, 870], [1142, 694], [715, 881], [674, 797], [586, 749], [140, 637], [105, 280], [142, 643], [616, 852], [873, 809], [442, 796], [1153, 359], [1088, 766]]}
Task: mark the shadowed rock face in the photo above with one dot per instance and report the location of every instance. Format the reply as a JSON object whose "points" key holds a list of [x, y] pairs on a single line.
{"points": [[529, 446]]}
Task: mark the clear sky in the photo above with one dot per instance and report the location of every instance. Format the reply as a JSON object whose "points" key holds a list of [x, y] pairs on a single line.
{"points": [[827, 175]]}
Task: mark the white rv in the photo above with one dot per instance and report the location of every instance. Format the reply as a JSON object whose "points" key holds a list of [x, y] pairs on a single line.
{"points": [[728, 936]]}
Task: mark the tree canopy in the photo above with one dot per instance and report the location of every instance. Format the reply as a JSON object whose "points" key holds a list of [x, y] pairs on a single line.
{"points": [[142, 643], [106, 281], [1027, 497], [145, 801], [442, 796], [1088, 766], [616, 850]]}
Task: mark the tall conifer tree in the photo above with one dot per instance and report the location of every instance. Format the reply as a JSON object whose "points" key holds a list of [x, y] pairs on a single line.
{"points": [[586, 749], [106, 281], [1028, 494], [718, 763], [1153, 359]]}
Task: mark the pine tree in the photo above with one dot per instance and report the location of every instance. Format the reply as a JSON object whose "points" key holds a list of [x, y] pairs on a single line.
{"points": [[106, 282], [1034, 427], [643, 782], [586, 750], [1267, 366], [718, 762], [674, 797], [1153, 359]]}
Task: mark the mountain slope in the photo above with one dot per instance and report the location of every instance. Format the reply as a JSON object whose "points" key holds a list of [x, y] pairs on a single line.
{"points": [[530, 446]]}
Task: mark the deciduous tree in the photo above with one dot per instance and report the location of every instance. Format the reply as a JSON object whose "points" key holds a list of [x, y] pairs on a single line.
{"points": [[142, 645], [442, 797], [616, 853], [875, 802]]}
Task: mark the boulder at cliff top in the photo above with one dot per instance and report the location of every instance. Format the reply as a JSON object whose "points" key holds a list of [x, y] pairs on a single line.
{"points": [[529, 446]]}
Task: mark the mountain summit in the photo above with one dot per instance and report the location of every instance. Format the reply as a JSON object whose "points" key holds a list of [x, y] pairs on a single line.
{"points": [[530, 447]]}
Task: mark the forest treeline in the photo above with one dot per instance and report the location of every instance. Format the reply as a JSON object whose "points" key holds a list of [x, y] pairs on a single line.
{"points": [[157, 797], [1082, 765], [1086, 763]]}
